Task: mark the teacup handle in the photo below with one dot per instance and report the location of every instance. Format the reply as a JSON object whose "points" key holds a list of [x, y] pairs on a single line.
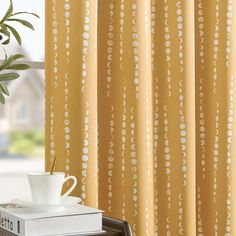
{"points": [[71, 188]]}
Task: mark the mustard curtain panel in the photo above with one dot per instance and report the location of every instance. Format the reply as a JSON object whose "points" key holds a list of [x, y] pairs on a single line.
{"points": [[140, 100], [215, 25]]}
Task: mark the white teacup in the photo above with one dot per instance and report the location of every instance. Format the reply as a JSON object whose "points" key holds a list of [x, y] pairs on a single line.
{"points": [[46, 189]]}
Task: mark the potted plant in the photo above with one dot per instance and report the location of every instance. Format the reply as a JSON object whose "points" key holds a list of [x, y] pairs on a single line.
{"points": [[10, 66]]}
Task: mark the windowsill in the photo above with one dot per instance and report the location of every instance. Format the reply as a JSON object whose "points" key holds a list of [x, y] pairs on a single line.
{"points": [[13, 176]]}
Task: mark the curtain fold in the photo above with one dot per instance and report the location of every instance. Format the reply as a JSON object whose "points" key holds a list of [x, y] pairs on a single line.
{"points": [[140, 108], [215, 106], [174, 116]]}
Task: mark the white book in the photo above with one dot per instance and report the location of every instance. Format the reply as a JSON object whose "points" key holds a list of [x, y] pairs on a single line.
{"points": [[73, 220]]}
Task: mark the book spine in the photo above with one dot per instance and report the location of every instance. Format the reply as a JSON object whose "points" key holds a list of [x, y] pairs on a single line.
{"points": [[11, 223]]}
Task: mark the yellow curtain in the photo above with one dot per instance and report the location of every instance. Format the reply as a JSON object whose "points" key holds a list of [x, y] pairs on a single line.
{"points": [[140, 108], [215, 117]]}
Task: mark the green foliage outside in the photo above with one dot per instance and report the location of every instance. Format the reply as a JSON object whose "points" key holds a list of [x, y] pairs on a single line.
{"points": [[29, 143]]}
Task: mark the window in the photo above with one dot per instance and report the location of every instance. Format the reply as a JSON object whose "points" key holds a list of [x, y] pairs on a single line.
{"points": [[22, 117]]}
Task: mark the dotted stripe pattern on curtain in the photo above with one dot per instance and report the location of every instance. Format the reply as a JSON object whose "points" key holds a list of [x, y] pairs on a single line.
{"points": [[71, 92], [215, 117], [121, 110]]}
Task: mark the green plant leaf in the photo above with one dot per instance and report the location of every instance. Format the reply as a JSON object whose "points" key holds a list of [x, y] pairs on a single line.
{"points": [[17, 56], [5, 32], [6, 41], [23, 22], [15, 33], [2, 99], [9, 76], [4, 28], [8, 13], [4, 89], [6, 62], [25, 12], [9, 63], [17, 67]]}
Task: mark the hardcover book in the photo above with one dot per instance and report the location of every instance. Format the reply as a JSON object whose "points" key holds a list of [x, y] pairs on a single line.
{"points": [[73, 220]]}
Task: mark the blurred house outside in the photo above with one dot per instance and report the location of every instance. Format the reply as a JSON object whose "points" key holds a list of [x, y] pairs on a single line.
{"points": [[21, 134], [22, 117], [24, 109]]}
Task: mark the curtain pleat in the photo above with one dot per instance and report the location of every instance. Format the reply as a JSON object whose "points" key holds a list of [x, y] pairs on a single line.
{"points": [[71, 93], [140, 108], [125, 112], [215, 112], [174, 116]]}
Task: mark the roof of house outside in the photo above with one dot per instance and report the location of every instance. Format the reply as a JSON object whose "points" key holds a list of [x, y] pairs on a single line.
{"points": [[33, 78]]}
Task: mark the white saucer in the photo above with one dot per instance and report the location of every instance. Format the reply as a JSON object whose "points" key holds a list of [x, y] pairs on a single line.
{"points": [[27, 203]]}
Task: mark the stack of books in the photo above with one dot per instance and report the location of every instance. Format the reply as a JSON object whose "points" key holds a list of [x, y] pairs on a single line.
{"points": [[76, 219]]}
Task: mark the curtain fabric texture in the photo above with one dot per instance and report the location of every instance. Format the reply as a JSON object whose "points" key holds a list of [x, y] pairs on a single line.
{"points": [[140, 107]]}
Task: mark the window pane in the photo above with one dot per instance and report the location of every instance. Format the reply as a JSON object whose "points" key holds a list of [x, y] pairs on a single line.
{"points": [[21, 134], [32, 41], [22, 117]]}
